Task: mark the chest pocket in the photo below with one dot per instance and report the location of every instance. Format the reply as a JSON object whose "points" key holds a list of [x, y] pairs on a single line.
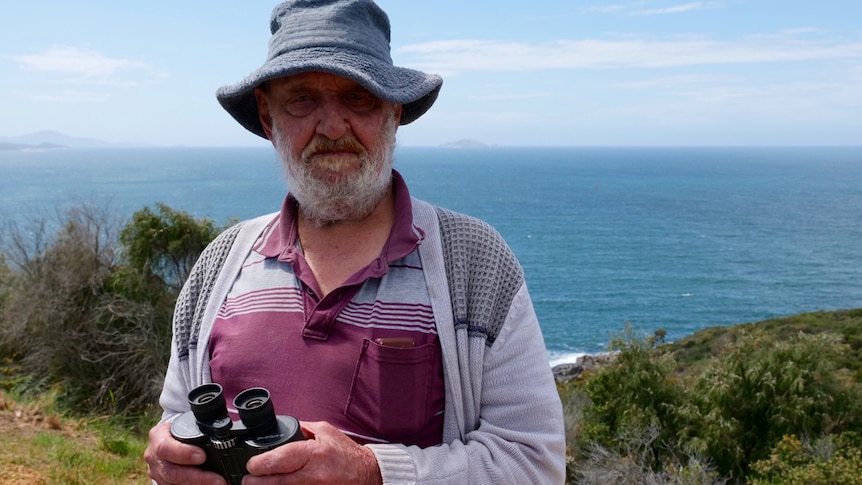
{"points": [[391, 390]]}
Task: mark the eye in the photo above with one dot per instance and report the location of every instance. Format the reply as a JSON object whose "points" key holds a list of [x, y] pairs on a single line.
{"points": [[360, 101], [300, 105]]}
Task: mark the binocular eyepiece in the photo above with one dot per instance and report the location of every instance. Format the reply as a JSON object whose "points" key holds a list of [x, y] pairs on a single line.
{"points": [[229, 444]]}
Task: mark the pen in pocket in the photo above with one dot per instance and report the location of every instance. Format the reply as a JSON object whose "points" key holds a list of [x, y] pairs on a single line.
{"points": [[397, 342]]}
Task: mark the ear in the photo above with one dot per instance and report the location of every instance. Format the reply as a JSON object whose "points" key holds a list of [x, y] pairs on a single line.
{"points": [[399, 108], [263, 112]]}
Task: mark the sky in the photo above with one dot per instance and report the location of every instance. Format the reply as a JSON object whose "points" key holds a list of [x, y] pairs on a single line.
{"points": [[541, 73]]}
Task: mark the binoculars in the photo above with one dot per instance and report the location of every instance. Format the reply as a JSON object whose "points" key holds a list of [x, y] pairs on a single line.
{"points": [[229, 444]]}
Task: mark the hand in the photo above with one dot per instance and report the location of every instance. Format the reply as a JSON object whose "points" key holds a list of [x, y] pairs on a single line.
{"points": [[327, 456], [171, 462]]}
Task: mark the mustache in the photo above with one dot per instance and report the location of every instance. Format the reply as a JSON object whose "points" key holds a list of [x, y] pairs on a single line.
{"points": [[324, 145]]}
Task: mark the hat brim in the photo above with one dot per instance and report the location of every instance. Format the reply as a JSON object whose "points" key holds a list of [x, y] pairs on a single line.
{"points": [[416, 91]]}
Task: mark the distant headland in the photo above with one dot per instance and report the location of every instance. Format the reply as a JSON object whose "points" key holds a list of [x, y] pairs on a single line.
{"points": [[52, 140], [465, 143], [24, 147]]}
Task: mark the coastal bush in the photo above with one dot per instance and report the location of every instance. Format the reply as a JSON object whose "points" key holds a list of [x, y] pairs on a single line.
{"points": [[831, 460], [574, 400], [88, 314], [648, 420], [5, 289], [629, 424], [633, 397], [5, 278], [695, 351], [603, 467], [53, 291], [165, 243], [742, 406]]}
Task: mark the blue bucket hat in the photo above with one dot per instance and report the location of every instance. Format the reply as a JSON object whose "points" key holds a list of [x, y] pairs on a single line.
{"points": [[348, 38]]}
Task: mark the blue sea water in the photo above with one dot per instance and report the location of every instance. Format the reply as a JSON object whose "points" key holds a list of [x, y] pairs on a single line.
{"points": [[672, 238]]}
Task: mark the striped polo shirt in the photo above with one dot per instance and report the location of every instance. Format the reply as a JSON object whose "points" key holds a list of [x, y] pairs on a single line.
{"points": [[365, 358]]}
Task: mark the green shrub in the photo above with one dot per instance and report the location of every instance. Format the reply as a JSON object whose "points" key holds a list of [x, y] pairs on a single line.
{"points": [[165, 243], [645, 423], [54, 292], [574, 399], [635, 394], [758, 392], [607, 467], [694, 351], [828, 461], [84, 312]]}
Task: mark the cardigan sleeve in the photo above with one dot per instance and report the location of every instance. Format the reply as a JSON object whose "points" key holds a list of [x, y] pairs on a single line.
{"points": [[188, 311], [177, 385]]}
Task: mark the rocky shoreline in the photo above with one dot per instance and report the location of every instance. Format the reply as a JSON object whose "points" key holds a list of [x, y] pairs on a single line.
{"points": [[584, 363]]}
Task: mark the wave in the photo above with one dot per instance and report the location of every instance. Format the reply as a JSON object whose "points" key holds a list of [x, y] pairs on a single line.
{"points": [[556, 358]]}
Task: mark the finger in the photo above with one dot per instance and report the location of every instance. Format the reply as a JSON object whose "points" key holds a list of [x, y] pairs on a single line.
{"points": [[287, 458], [306, 431], [172, 462], [313, 428], [166, 473], [163, 446]]}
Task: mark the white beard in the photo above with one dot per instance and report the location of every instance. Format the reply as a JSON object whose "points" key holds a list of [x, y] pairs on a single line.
{"points": [[333, 197]]}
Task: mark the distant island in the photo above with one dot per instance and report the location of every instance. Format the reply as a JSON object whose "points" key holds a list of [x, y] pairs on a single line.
{"points": [[465, 143], [23, 147], [49, 139]]}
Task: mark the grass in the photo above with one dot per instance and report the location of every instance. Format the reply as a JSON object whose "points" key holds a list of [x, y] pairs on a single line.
{"points": [[42, 447]]}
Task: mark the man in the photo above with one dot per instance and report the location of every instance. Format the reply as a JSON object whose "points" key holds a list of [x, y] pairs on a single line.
{"points": [[401, 335]]}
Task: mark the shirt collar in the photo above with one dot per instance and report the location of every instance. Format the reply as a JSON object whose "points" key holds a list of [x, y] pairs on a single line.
{"points": [[280, 237]]}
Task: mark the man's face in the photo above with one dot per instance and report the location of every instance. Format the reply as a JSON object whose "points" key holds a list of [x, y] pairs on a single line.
{"points": [[336, 141]]}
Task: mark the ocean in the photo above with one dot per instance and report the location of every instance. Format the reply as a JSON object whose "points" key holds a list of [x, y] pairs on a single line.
{"points": [[674, 238]]}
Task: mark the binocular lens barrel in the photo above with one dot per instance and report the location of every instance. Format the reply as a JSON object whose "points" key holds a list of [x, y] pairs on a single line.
{"points": [[207, 403], [255, 409]]}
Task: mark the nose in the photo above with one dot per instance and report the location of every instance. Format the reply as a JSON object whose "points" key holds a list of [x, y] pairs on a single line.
{"points": [[333, 118]]}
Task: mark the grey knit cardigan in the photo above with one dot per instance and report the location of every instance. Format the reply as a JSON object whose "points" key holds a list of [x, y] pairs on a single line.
{"points": [[503, 419]]}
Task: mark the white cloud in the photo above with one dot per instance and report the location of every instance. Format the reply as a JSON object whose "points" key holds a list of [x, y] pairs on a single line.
{"points": [[71, 96], [802, 103], [685, 7], [605, 8], [469, 118], [510, 97], [669, 82], [85, 64], [453, 56], [722, 94], [720, 89], [799, 31], [640, 8]]}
